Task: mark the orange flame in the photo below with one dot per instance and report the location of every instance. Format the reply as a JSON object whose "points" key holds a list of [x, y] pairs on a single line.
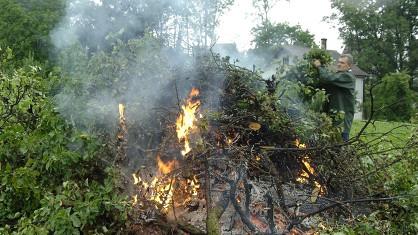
{"points": [[194, 185], [299, 144], [121, 111], [165, 168], [161, 189], [304, 175], [121, 135], [164, 189], [135, 200], [185, 121]]}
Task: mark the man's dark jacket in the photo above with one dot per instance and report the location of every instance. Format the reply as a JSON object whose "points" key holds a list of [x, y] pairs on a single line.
{"points": [[340, 87]]}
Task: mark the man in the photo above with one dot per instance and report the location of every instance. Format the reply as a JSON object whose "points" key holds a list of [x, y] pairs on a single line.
{"points": [[340, 87]]}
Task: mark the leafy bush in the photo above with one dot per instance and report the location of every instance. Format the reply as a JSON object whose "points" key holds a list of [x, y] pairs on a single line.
{"points": [[394, 98], [398, 181], [51, 176], [94, 84]]}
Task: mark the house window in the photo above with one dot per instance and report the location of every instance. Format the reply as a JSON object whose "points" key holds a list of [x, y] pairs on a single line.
{"points": [[286, 60]]}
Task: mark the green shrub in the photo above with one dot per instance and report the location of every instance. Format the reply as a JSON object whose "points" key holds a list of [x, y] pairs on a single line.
{"points": [[394, 98], [51, 176]]}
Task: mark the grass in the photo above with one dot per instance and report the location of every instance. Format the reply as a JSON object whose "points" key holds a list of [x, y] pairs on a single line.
{"points": [[396, 133]]}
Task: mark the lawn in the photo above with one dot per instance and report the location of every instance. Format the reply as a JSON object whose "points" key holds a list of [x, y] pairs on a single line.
{"points": [[391, 132]]}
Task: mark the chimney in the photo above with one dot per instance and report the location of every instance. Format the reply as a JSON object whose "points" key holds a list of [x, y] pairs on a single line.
{"points": [[323, 43]]}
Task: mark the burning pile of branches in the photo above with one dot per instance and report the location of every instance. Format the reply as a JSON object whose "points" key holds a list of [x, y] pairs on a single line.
{"points": [[240, 168]]}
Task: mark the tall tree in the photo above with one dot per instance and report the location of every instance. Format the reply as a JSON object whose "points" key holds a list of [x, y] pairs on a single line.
{"points": [[205, 18], [263, 9], [268, 35], [382, 34], [25, 25], [98, 26], [178, 23]]}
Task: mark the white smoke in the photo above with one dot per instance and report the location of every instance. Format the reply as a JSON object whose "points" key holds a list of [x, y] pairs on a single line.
{"points": [[102, 70]]}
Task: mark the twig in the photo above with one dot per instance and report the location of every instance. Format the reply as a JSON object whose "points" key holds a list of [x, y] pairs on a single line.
{"points": [[299, 220], [238, 208], [248, 188], [232, 197], [270, 214], [178, 98]]}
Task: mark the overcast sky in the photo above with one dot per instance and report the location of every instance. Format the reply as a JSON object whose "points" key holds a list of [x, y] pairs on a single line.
{"points": [[235, 25]]}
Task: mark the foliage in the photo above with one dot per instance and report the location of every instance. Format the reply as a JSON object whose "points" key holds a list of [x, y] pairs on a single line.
{"points": [[287, 105], [391, 168], [95, 84], [51, 179], [270, 35], [306, 74], [317, 54], [381, 34], [204, 17], [34, 27], [263, 7], [178, 24], [304, 71], [399, 180], [26, 25], [393, 98]]}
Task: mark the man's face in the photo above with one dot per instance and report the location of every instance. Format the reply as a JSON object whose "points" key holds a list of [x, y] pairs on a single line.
{"points": [[342, 64]]}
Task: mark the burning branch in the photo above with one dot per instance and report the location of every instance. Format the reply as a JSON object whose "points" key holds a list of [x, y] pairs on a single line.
{"points": [[185, 122], [270, 214], [122, 136], [244, 218]]}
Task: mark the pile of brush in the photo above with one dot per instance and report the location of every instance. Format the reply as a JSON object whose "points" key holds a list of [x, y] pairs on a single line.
{"points": [[262, 168]]}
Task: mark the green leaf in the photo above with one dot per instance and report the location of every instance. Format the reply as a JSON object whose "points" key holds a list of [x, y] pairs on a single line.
{"points": [[76, 221]]}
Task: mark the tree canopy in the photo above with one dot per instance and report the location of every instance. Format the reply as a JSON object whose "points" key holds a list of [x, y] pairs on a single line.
{"points": [[382, 34], [269, 35], [25, 26], [180, 24]]}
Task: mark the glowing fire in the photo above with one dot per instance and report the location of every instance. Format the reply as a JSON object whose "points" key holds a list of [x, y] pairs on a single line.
{"points": [[304, 175], [122, 122], [186, 119], [161, 189], [121, 135], [121, 111], [299, 144]]}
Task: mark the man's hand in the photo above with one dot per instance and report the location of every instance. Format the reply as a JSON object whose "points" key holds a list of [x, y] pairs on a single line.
{"points": [[317, 63]]}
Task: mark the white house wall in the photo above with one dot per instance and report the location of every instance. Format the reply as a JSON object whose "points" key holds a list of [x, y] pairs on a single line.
{"points": [[358, 115]]}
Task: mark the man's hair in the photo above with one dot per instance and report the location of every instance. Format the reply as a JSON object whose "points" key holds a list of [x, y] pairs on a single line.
{"points": [[349, 58]]}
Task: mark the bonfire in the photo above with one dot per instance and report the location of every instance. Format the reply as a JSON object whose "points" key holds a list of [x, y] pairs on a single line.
{"points": [[229, 169]]}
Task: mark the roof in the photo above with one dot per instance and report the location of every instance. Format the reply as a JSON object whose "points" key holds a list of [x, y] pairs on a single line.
{"points": [[294, 50]]}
